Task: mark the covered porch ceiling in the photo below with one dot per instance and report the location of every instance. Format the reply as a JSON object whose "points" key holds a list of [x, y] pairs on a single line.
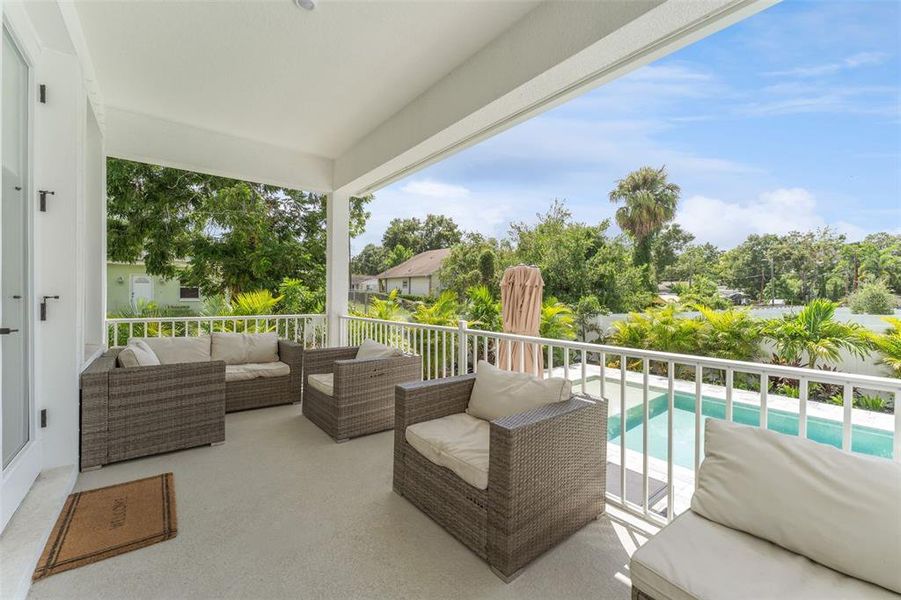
{"points": [[354, 94]]}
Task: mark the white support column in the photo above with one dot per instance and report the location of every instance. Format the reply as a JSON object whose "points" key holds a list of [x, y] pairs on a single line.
{"points": [[337, 257]]}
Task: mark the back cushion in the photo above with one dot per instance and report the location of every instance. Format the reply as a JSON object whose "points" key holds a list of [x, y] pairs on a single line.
{"points": [[137, 354], [498, 393], [839, 509], [244, 348], [370, 350], [175, 350]]}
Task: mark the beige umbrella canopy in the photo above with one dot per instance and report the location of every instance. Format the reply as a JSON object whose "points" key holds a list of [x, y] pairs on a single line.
{"points": [[521, 291]]}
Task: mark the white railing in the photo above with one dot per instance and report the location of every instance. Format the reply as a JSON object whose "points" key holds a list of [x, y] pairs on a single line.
{"points": [[682, 384], [310, 329]]}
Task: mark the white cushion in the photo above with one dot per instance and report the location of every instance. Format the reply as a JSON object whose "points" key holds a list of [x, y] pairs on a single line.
{"points": [[177, 350], [324, 382], [498, 393], [840, 509], [254, 370], [458, 442], [370, 350], [241, 348], [693, 559]]}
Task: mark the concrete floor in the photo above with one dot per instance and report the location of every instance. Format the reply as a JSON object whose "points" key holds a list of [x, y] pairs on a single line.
{"points": [[281, 511]]}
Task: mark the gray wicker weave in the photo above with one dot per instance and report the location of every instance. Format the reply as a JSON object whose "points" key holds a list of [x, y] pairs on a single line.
{"points": [[545, 476], [363, 400], [269, 391], [127, 413]]}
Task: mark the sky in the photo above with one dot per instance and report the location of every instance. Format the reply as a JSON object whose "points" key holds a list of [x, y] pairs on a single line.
{"points": [[788, 120]]}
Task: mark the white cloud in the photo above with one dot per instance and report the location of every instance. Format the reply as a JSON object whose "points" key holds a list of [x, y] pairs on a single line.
{"points": [[435, 189], [726, 224], [861, 59]]}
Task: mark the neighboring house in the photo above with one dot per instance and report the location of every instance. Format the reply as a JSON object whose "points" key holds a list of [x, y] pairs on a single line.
{"points": [[737, 297], [364, 283], [417, 276], [128, 286]]}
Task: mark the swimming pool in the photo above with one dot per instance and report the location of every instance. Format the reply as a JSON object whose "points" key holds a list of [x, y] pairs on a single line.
{"points": [[865, 440]]}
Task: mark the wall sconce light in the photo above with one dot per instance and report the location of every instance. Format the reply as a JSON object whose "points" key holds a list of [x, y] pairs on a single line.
{"points": [[120, 280]]}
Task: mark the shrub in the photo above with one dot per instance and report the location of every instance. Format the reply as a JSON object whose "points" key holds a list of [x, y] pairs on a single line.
{"points": [[873, 299], [868, 402]]}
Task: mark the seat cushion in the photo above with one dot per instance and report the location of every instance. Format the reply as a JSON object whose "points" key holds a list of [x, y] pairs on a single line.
{"points": [[370, 350], [694, 558], [242, 348], [137, 354], [254, 370], [498, 393], [831, 506], [324, 382], [458, 442], [178, 350]]}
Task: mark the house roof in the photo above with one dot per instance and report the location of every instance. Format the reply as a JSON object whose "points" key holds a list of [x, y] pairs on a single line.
{"points": [[421, 265]]}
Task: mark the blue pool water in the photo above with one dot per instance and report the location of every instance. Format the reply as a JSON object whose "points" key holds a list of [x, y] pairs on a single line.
{"points": [[865, 440]]}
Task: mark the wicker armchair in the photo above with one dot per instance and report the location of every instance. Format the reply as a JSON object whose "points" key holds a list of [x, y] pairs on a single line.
{"points": [[363, 398], [546, 474]]}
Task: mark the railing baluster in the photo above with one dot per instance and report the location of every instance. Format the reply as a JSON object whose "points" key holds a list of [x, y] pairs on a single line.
{"points": [[802, 407], [847, 404], [522, 357], [584, 370], [645, 417], [764, 397], [566, 363], [603, 375], [699, 407], [622, 428], [670, 410], [730, 385]]}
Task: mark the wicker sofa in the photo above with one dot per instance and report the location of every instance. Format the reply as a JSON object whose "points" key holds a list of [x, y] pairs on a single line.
{"points": [[545, 473], [134, 411], [776, 516], [347, 396]]}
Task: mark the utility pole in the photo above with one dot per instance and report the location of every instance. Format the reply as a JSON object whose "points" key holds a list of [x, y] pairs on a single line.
{"points": [[772, 280]]}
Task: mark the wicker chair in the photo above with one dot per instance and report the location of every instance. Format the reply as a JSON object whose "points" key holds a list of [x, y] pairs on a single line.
{"points": [[363, 396], [546, 474]]}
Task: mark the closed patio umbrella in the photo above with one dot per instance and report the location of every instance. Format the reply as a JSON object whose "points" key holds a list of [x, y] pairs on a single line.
{"points": [[521, 291]]}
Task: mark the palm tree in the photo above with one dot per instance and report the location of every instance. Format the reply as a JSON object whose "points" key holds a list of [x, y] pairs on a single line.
{"points": [[649, 202], [889, 345], [731, 334], [482, 310], [557, 320], [814, 334]]}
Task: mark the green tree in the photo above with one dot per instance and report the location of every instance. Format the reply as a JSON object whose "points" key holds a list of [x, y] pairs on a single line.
{"points": [[435, 232], [731, 334], [814, 335], [889, 345], [694, 260], [475, 260], [236, 236], [873, 298], [557, 320], [667, 246], [397, 255], [371, 260], [702, 293], [482, 309], [649, 202], [443, 311]]}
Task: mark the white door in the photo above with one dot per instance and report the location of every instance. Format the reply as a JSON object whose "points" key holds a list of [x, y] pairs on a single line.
{"points": [[141, 291], [20, 450]]}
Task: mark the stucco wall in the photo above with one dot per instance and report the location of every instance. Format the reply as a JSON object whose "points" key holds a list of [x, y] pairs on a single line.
{"points": [[165, 292], [416, 286]]}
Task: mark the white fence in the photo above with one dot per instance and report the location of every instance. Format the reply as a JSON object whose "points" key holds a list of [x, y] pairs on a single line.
{"points": [[310, 329], [690, 387]]}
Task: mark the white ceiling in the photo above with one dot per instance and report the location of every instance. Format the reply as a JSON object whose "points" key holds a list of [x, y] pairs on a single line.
{"points": [[270, 72]]}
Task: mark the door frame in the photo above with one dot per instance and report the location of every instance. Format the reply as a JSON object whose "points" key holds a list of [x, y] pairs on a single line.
{"points": [[17, 478], [131, 288]]}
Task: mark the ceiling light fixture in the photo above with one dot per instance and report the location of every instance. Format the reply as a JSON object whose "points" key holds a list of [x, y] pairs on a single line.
{"points": [[305, 4]]}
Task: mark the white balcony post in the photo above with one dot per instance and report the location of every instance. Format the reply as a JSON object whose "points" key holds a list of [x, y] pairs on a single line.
{"points": [[337, 262], [462, 348]]}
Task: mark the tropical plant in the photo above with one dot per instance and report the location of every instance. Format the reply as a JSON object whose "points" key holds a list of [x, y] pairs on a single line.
{"points": [[732, 334], [586, 311], [482, 310], [701, 293], [443, 311], [215, 305], [297, 298], [387, 309], [873, 298], [870, 402], [557, 320], [814, 335], [649, 202], [889, 345], [657, 329], [258, 302]]}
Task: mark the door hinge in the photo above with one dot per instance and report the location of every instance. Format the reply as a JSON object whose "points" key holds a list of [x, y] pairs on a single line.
{"points": [[43, 418], [42, 92]]}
